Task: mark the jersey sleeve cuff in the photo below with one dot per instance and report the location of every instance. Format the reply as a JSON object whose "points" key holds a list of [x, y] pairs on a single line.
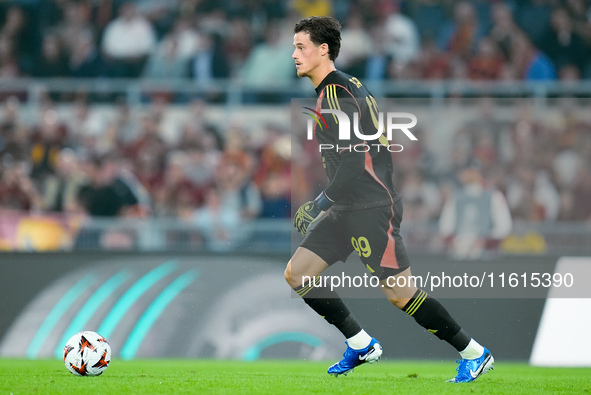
{"points": [[323, 201]]}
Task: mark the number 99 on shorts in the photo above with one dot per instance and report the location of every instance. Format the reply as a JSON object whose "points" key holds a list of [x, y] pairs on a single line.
{"points": [[361, 245]]}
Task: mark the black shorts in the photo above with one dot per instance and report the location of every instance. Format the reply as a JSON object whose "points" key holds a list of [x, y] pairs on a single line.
{"points": [[373, 233]]}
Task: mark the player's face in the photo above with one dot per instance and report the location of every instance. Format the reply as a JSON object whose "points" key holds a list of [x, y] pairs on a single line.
{"points": [[307, 56]]}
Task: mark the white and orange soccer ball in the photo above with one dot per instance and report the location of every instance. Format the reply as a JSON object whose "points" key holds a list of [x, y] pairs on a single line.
{"points": [[87, 354]]}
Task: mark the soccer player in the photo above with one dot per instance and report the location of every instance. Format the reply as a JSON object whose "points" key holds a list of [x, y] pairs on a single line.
{"points": [[365, 214]]}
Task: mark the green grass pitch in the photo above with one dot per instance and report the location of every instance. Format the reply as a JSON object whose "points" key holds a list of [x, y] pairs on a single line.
{"points": [[283, 377]]}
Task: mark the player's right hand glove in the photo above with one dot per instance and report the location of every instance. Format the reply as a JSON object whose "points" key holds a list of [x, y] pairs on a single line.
{"points": [[310, 212]]}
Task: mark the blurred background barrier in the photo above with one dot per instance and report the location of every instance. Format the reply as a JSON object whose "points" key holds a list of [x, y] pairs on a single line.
{"points": [[20, 231], [230, 306], [233, 94]]}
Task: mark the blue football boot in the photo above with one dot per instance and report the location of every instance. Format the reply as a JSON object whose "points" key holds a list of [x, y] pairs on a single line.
{"points": [[470, 369], [353, 358]]}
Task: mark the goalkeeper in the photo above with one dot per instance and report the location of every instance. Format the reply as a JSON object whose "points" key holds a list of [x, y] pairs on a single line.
{"points": [[364, 216]]}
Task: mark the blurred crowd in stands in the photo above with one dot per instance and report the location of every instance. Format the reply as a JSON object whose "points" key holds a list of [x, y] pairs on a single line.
{"points": [[541, 163], [129, 169], [124, 167], [382, 39]]}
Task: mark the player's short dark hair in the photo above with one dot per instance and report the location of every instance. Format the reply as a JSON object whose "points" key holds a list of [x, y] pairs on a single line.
{"points": [[322, 29]]}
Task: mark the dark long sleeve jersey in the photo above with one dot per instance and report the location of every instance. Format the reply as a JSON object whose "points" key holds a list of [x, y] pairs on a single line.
{"points": [[359, 171]]}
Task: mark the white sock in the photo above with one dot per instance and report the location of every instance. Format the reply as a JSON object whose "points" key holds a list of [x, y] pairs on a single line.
{"points": [[472, 351], [359, 341]]}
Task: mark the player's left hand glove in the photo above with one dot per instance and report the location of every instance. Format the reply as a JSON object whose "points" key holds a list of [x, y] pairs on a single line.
{"points": [[310, 212]]}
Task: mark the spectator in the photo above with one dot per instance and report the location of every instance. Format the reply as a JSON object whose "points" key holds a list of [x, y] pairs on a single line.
{"points": [[461, 36], [76, 23], [562, 43], [150, 172], [402, 37], [218, 223], [210, 62], [103, 13], [201, 165], [60, 190], [476, 219], [415, 156], [163, 15], [198, 128], [9, 67], [485, 152], [47, 142], [529, 63], [582, 196], [127, 41], [488, 63], [17, 191], [578, 11], [533, 17], [238, 44], [259, 72], [566, 165], [546, 193], [354, 52], [52, 62], [504, 29], [148, 139], [171, 57], [569, 74], [275, 193], [275, 155], [274, 173], [433, 63], [82, 123], [176, 196], [213, 19], [235, 186], [105, 194], [166, 62], [125, 175], [532, 196], [23, 35], [378, 60], [189, 40], [11, 113], [487, 134], [85, 60], [125, 123], [422, 197], [14, 135]]}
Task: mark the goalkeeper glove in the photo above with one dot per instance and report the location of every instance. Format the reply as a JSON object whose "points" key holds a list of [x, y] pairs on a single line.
{"points": [[310, 212]]}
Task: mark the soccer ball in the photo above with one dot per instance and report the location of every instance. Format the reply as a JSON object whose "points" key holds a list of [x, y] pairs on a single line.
{"points": [[87, 354]]}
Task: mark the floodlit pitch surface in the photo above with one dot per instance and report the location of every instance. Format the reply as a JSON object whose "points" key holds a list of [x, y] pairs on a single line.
{"points": [[283, 377]]}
